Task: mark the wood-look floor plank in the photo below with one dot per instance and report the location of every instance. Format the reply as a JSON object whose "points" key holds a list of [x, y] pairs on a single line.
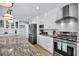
{"points": [[42, 51]]}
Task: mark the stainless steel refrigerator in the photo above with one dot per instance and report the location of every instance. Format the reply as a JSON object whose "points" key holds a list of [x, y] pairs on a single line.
{"points": [[33, 33]]}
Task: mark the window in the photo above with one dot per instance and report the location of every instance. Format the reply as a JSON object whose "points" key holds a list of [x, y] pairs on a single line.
{"points": [[1, 23], [12, 25], [15, 31], [22, 26], [16, 24], [7, 24]]}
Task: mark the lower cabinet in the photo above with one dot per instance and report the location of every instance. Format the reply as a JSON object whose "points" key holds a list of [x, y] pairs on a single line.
{"points": [[45, 42]]}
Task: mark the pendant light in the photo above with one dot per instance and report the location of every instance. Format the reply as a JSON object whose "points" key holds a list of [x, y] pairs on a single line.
{"points": [[8, 15], [7, 5]]}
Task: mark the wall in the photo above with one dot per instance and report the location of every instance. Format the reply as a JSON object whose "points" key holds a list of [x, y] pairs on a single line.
{"points": [[57, 14], [49, 21], [70, 26]]}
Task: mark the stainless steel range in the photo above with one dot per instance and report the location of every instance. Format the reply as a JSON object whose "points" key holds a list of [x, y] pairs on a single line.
{"points": [[65, 44]]}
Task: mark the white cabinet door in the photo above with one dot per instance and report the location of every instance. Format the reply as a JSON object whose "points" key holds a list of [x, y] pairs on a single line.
{"points": [[45, 42], [40, 40], [49, 44]]}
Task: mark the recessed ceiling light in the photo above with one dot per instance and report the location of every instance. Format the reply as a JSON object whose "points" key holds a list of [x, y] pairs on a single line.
{"points": [[45, 14], [37, 7], [37, 17], [62, 24], [71, 23], [27, 17]]}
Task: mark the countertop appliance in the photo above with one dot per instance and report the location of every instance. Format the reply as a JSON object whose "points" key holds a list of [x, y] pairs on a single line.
{"points": [[65, 44], [33, 33]]}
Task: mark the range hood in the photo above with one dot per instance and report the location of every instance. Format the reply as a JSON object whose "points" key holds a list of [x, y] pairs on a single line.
{"points": [[69, 12]]}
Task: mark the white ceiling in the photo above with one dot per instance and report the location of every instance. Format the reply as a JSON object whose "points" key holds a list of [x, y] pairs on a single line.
{"points": [[22, 10]]}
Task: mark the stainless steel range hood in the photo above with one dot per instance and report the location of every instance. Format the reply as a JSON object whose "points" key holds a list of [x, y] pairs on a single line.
{"points": [[69, 12]]}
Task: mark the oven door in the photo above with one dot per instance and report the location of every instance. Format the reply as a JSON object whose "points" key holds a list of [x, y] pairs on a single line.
{"points": [[57, 47], [70, 51], [64, 49]]}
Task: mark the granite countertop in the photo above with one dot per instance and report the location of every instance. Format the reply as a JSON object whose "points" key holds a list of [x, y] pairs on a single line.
{"points": [[7, 34], [17, 50], [46, 35], [17, 47]]}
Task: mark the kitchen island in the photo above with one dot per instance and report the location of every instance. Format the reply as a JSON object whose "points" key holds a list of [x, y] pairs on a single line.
{"points": [[16, 45]]}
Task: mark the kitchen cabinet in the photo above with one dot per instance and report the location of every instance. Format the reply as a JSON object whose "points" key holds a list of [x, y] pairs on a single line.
{"points": [[45, 42]]}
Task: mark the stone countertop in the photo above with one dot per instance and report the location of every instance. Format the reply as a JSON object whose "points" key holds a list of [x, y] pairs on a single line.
{"points": [[17, 47], [18, 50], [7, 34], [46, 35]]}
